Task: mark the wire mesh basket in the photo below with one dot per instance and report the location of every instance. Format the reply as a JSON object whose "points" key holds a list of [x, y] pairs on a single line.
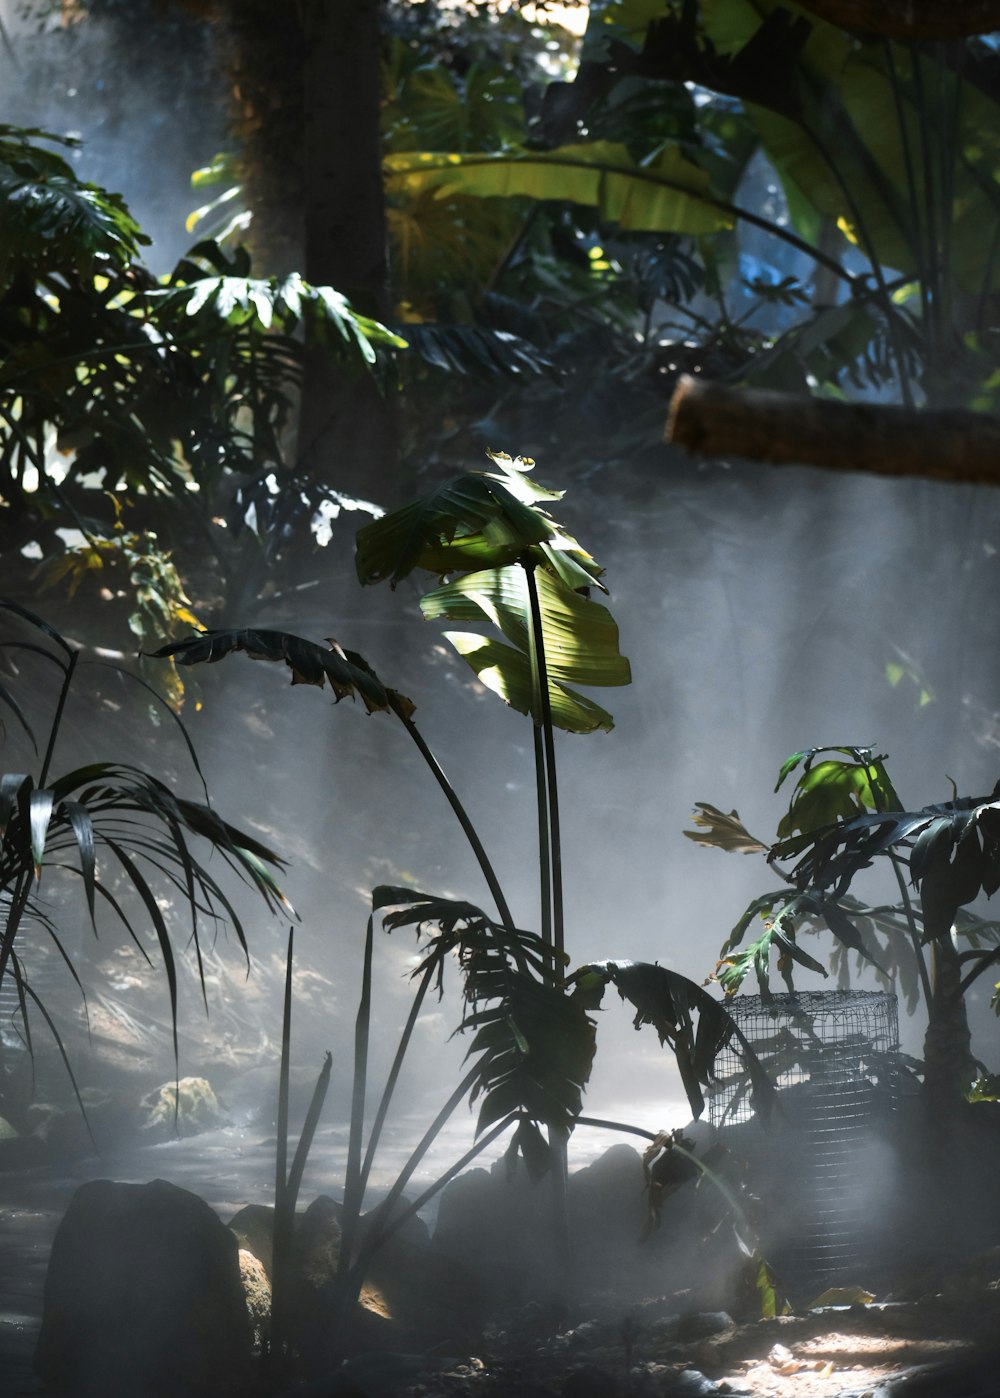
{"points": [[833, 1056]]}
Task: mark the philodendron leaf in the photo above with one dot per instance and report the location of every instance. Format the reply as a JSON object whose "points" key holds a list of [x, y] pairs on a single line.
{"points": [[349, 674], [723, 831]]}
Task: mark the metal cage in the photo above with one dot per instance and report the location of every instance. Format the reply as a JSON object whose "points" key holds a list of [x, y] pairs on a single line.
{"points": [[833, 1056]]}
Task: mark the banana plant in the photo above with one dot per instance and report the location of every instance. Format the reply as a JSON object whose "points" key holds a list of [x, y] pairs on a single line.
{"points": [[844, 816], [510, 567], [121, 830]]}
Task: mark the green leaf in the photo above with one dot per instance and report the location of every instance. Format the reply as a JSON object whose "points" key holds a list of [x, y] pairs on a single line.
{"points": [[666, 194], [473, 520], [348, 674], [39, 814], [507, 672], [668, 1001], [833, 790]]}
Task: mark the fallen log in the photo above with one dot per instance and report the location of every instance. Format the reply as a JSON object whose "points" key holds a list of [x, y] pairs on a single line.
{"points": [[715, 419]]}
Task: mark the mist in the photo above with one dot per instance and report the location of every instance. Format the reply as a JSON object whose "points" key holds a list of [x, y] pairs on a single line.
{"points": [[763, 610]]}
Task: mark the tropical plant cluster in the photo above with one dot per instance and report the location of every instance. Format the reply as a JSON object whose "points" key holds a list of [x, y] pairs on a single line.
{"points": [[845, 817]]}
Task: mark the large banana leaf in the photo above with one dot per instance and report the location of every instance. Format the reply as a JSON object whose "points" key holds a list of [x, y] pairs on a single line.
{"points": [[472, 521], [580, 640], [666, 194], [872, 134], [480, 520]]}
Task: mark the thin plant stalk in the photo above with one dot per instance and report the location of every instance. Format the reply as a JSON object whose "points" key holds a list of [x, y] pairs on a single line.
{"points": [[308, 1134], [390, 1082], [469, 830], [394, 1224], [353, 1191], [283, 1217], [904, 892], [544, 859], [73, 657], [549, 839], [916, 213]]}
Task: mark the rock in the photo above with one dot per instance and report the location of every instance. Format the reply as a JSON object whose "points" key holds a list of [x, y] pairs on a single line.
{"points": [[161, 1117], [143, 1298], [257, 1290], [254, 1229]]}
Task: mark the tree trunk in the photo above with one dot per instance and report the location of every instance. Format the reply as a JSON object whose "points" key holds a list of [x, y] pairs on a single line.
{"points": [[948, 1062], [347, 435]]}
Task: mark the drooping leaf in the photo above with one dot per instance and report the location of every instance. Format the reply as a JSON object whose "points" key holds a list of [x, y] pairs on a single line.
{"points": [[722, 831], [308, 661], [471, 521], [507, 672], [579, 636], [669, 1002]]}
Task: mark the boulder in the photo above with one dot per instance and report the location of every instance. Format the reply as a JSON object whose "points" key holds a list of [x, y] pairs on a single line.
{"points": [[143, 1298], [185, 1108], [257, 1290]]}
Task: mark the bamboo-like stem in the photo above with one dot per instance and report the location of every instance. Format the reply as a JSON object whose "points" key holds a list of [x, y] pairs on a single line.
{"points": [[74, 656], [543, 721], [353, 1191], [544, 860], [549, 836], [282, 1224], [468, 829], [393, 1077]]}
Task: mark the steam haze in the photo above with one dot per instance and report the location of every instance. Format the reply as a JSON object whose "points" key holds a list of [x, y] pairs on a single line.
{"points": [[762, 611]]}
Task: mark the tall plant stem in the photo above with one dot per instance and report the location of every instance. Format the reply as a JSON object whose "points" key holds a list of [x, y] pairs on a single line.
{"points": [[916, 213], [544, 853], [73, 657], [552, 897], [540, 668], [281, 1237], [394, 1071], [353, 1190], [468, 829], [932, 271], [872, 773]]}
